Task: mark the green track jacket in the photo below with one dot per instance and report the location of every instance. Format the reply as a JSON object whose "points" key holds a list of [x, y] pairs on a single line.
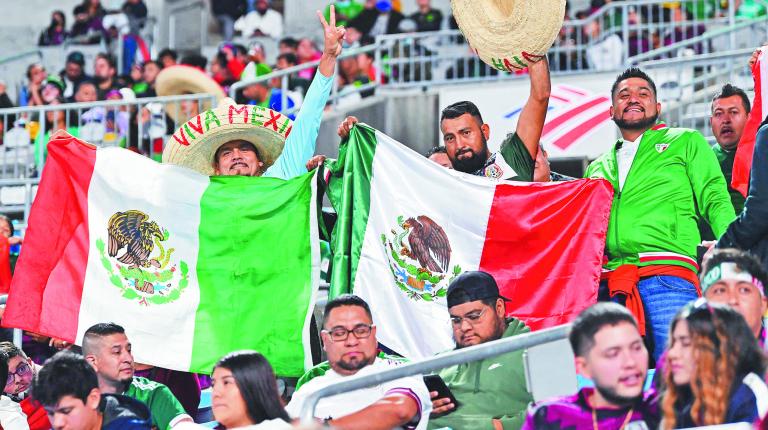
{"points": [[654, 218], [488, 389]]}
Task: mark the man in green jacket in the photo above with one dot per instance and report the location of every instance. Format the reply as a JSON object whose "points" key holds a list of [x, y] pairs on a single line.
{"points": [[491, 393], [662, 179]]}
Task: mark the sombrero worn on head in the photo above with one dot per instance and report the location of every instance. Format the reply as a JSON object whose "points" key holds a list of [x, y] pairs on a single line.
{"points": [[195, 143], [181, 79], [509, 34]]}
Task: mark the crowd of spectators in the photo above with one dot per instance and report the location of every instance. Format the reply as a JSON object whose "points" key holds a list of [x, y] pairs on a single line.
{"points": [[93, 23]]}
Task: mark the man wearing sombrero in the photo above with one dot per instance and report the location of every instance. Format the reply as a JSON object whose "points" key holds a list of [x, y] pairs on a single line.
{"points": [[248, 140]]}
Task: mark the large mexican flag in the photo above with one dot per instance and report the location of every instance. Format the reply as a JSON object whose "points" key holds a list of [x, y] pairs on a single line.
{"points": [[408, 226], [193, 267]]}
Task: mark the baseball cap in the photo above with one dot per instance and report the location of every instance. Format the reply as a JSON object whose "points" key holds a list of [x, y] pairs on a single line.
{"points": [[472, 286], [76, 57], [56, 81]]}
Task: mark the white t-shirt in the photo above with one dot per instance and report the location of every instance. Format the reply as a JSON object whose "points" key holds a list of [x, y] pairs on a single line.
{"points": [[11, 415], [347, 403], [624, 157], [271, 24]]}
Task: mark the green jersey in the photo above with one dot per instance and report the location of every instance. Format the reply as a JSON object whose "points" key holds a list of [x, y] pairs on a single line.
{"points": [[514, 164], [673, 177], [165, 408], [726, 159]]}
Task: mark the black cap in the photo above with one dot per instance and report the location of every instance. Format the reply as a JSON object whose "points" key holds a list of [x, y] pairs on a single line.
{"points": [[472, 286], [76, 57]]}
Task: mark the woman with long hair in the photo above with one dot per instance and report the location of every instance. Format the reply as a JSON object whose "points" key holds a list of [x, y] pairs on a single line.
{"points": [[713, 369], [244, 392]]}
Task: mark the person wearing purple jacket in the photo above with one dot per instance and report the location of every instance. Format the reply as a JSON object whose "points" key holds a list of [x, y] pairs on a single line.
{"points": [[610, 351]]}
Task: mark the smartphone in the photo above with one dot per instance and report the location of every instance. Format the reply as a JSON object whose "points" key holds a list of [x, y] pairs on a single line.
{"points": [[436, 383]]}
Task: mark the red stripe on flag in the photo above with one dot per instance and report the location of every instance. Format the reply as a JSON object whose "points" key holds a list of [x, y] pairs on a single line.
{"points": [[742, 164], [47, 285], [544, 246], [568, 139], [569, 114]]}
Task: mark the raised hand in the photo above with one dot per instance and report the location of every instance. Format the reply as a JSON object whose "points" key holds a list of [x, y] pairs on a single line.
{"points": [[333, 36]]}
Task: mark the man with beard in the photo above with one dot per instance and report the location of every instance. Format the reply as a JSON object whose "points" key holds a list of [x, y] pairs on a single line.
{"points": [[492, 392], [662, 179], [466, 136], [105, 74], [349, 339], [609, 350], [730, 110], [107, 349]]}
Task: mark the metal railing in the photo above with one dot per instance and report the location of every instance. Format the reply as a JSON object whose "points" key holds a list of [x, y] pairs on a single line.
{"points": [[142, 124], [686, 85], [464, 355], [284, 76]]}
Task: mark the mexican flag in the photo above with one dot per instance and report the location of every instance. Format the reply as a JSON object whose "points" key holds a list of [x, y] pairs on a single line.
{"points": [[408, 226], [193, 267]]}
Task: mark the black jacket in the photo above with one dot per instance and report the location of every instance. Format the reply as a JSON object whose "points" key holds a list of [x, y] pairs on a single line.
{"points": [[124, 413], [233, 8], [749, 232], [367, 18]]}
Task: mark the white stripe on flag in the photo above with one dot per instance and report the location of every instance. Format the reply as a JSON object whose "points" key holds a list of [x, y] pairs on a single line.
{"points": [[170, 196], [406, 184]]}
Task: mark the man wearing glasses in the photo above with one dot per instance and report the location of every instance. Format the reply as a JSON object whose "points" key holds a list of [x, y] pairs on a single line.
{"points": [[349, 340], [492, 392], [21, 370]]}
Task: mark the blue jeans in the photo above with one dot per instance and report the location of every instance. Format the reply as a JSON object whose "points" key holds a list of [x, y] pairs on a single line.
{"points": [[662, 297]]}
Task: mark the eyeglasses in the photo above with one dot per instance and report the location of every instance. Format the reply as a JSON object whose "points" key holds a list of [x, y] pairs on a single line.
{"points": [[472, 317], [21, 371], [340, 334]]}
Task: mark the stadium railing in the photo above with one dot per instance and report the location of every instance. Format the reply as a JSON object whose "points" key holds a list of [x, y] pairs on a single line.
{"points": [[686, 85], [337, 94], [143, 123], [464, 355]]}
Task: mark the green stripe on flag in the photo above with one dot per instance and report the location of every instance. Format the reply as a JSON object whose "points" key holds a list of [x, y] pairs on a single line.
{"points": [[256, 270], [351, 198]]}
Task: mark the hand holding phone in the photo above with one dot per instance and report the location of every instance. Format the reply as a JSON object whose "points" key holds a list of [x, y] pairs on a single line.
{"points": [[443, 400]]}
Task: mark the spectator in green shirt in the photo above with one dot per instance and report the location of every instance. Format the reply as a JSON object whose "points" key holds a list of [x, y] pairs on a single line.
{"points": [[107, 349], [346, 11], [730, 110]]}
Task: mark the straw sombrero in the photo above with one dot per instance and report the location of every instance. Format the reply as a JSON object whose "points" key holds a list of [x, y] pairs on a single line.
{"points": [[181, 79], [509, 34], [195, 143]]}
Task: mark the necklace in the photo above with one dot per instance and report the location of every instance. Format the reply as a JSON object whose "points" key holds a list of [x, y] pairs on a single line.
{"points": [[624, 424]]}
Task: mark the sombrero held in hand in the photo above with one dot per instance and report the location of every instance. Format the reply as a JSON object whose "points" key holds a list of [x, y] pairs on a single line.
{"points": [[509, 34], [195, 143]]}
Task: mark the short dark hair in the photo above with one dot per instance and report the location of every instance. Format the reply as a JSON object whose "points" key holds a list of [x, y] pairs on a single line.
{"points": [[156, 63], [85, 82], [729, 90], [257, 383], [289, 58], [460, 108], [11, 350], [109, 58], [742, 259], [435, 150], [195, 60], [632, 72], [289, 41], [591, 320], [168, 52], [97, 331], [64, 374], [4, 358], [346, 300]]}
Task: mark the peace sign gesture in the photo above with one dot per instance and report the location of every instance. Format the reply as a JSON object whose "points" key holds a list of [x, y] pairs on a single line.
{"points": [[333, 36]]}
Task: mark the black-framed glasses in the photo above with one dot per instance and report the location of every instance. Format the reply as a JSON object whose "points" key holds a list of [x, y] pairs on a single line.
{"points": [[340, 334], [472, 317], [22, 370]]}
